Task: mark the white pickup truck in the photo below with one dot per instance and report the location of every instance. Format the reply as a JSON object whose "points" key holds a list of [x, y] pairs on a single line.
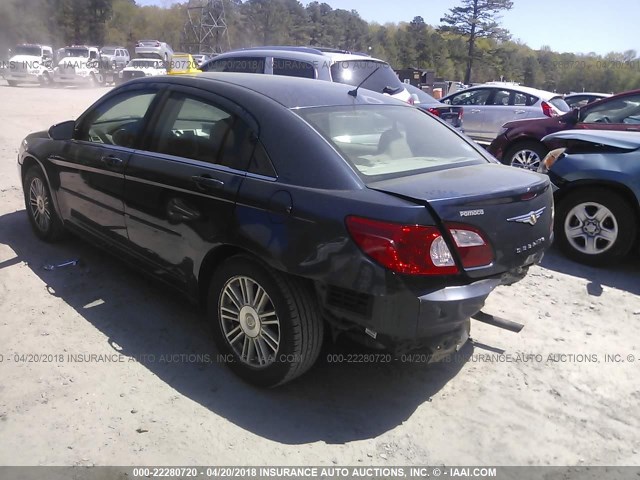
{"points": [[30, 63], [78, 64]]}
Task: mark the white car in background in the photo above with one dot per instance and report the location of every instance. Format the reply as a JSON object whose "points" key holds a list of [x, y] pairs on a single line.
{"points": [[489, 106], [118, 56], [143, 67], [154, 49], [29, 63], [78, 65]]}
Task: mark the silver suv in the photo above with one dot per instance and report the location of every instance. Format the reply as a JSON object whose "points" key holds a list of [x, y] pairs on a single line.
{"points": [[316, 63], [118, 56], [487, 107]]}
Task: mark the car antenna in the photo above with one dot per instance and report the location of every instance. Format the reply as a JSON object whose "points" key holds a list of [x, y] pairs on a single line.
{"points": [[354, 92]]}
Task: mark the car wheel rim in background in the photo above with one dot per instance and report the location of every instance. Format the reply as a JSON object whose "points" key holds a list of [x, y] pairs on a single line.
{"points": [[249, 321], [39, 204], [591, 228], [527, 159]]}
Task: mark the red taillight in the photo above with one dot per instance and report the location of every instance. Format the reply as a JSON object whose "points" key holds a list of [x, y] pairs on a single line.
{"points": [[461, 113], [411, 101], [434, 111], [157, 44], [473, 247], [419, 249], [407, 249], [548, 110]]}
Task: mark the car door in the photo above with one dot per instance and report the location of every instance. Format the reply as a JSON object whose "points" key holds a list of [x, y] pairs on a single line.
{"points": [[91, 166], [503, 106], [474, 102], [617, 113], [181, 187]]}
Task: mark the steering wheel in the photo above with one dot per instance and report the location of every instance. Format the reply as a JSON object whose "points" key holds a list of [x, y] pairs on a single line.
{"points": [[100, 134], [603, 120]]}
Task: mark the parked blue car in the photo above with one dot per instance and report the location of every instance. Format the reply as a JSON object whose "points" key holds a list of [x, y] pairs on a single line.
{"points": [[597, 175]]}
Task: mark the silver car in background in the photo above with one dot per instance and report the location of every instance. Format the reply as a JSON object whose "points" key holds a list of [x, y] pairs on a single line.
{"points": [[487, 107], [155, 49]]}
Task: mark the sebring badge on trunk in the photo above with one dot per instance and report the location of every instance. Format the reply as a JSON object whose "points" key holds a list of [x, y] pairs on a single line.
{"points": [[531, 218]]}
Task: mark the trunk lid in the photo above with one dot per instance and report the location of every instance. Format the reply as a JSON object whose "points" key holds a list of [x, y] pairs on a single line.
{"points": [[501, 201]]}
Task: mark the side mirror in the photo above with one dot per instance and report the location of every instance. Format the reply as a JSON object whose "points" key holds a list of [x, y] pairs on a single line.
{"points": [[62, 131], [573, 116]]}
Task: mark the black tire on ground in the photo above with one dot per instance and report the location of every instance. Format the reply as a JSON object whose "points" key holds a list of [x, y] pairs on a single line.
{"points": [[12, 83], [622, 219], [299, 328], [526, 154], [42, 214]]}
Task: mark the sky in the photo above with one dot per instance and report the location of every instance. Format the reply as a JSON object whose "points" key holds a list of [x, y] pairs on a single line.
{"points": [[579, 26]]}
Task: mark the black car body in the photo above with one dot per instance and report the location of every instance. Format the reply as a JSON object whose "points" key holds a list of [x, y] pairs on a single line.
{"points": [[597, 178], [336, 201]]}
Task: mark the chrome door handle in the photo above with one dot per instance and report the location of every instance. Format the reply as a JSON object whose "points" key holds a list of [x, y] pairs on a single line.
{"points": [[475, 110], [207, 183], [111, 161], [520, 112]]}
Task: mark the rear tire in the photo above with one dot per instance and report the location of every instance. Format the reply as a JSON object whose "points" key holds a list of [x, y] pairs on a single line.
{"points": [[595, 226], [42, 214], [527, 155], [266, 322]]}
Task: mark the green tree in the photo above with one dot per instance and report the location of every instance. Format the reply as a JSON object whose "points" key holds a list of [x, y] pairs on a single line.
{"points": [[476, 19]]}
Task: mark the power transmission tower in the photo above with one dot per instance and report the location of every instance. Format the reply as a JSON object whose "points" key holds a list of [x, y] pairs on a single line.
{"points": [[206, 28]]}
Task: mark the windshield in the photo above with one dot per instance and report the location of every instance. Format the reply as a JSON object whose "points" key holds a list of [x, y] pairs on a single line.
{"points": [[26, 50], [354, 72], [76, 52], [108, 51], [560, 104], [381, 141]]}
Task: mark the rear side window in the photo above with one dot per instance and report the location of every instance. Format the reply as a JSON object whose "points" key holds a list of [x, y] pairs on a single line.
{"points": [[501, 97], [293, 68], [199, 130], [236, 64], [523, 100], [560, 104], [354, 72]]}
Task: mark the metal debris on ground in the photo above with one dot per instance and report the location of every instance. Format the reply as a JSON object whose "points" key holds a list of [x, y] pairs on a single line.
{"points": [[69, 263]]}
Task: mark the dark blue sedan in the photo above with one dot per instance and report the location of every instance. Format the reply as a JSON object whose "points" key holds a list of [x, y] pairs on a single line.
{"points": [[290, 207]]}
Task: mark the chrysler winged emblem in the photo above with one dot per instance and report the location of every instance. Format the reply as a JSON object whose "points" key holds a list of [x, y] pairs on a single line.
{"points": [[531, 218]]}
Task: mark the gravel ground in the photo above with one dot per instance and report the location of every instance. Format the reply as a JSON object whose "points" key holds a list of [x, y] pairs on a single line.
{"points": [[546, 396]]}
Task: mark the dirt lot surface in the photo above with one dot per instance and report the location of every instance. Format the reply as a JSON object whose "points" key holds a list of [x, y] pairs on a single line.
{"points": [[552, 397]]}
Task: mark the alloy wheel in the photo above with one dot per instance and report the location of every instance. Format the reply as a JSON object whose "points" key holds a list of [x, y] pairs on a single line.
{"points": [[39, 204], [527, 159], [249, 321]]}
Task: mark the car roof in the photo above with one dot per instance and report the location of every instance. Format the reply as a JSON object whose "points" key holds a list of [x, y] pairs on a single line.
{"points": [[591, 94], [299, 53], [291, 92], [543, 94]]}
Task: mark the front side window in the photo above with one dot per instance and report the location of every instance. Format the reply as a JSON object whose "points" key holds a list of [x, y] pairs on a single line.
{"points": [[381, 141], [118, 121], [236, 64], [621, 110], [501, 97], [470, 97], [293, 68], [199, 130]]}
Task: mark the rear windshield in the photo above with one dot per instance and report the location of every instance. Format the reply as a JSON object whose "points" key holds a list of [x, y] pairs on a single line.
{"points": [[560, 104], [383, 141], [354, 72]]}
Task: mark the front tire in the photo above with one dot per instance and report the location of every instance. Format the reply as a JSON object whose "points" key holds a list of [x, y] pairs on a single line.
{"points": [[595, 226], [266, 322], [44, 220], [527, 155]]}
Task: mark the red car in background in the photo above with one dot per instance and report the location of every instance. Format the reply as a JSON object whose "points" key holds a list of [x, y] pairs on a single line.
{"points": [[520, 143]]}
